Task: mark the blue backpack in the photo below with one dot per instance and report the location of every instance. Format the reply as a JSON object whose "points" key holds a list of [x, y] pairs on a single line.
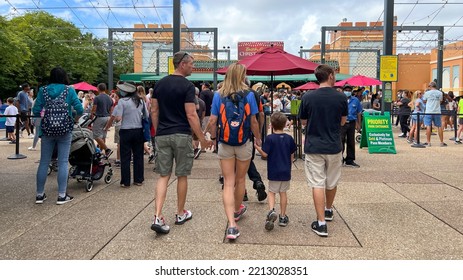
{"points": [[56, 120], [234, 119]]}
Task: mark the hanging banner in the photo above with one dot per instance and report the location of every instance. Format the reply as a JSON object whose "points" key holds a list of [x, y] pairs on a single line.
{"points": [[377, 133]]}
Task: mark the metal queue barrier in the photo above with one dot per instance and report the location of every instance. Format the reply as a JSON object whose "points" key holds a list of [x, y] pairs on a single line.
{"points": [[16, 155], [297, 133], [445, 113]]}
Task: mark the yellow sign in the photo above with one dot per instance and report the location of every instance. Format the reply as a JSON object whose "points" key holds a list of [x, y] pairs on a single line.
{"points": [[388, 68], [170, 63]]}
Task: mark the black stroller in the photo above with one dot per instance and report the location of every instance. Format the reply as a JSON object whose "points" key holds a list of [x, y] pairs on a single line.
{"points": [[87, 162]]}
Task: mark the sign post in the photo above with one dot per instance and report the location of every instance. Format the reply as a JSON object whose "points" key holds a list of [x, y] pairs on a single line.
{"points": [[377, 133], [388, 68]]}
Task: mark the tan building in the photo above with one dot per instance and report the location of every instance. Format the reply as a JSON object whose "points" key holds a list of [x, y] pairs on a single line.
{"points": [[415, 71], [452, 67], [146, 43]]}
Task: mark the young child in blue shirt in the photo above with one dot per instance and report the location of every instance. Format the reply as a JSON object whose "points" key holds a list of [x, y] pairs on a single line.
{"points": [[279, 149]]}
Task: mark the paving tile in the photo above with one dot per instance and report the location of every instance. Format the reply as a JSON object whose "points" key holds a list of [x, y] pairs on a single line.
{"points": [[399, 225], [297, 232], [44, 249]]}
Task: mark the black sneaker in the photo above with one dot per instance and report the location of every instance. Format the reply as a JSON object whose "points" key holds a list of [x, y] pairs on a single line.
{"points": [[329, 215], [352, 164], [232, 233], [39, 199], [197, 152], [260, 190], [245, 197], [271, 218], [319, 230], [159, 225], [62, 200], [283, 221]]}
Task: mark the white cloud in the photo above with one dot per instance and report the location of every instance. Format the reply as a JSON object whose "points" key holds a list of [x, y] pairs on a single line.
{"points": [[296, 22]]}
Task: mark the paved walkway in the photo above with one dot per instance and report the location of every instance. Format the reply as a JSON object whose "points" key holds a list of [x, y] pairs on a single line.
{"points": [[403, 206]]}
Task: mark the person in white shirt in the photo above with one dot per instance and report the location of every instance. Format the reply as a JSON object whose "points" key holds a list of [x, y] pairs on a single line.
{"points": [[432, 98], [11, 121]]}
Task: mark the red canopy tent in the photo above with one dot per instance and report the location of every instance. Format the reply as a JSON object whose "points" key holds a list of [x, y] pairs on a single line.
{"points": [[274, 62], [359, 80], [84, 86], [308, 86]]}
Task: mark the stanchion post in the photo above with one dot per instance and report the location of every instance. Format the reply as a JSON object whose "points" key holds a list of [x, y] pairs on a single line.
{"points": [[17, 155], [455, 126], [418, 128]]}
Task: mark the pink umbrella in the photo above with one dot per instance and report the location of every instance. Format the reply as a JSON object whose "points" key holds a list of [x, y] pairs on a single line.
{"points": [[84, 86], [359, 80], [308, 86]]}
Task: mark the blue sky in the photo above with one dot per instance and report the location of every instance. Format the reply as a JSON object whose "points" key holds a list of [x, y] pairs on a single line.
{"points": [[296, 22]]}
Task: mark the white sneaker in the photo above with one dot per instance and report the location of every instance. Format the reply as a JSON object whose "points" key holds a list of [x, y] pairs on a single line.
{"points": [[32, 149], [31, 136]]}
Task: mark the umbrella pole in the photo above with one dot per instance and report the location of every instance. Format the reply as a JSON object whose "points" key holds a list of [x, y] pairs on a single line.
{"points": [[271, 108], [271, 93]]}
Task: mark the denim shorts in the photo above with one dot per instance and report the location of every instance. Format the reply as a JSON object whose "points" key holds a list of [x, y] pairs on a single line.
{"points": [[429, 119], [178, 147]]}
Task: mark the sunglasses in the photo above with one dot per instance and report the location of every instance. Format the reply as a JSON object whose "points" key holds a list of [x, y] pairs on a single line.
{"points": [[185, 54]]}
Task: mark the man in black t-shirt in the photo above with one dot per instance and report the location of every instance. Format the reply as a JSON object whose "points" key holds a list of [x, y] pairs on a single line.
{"points": [[174, 116], [323, 111]]}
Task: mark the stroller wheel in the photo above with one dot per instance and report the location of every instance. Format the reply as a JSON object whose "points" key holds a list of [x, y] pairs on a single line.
{"points": [[358, 138], [89, 186], [107, 178]]}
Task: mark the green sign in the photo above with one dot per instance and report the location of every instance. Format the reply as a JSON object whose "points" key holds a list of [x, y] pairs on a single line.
{"points": [[295, 106], [377, 133]]}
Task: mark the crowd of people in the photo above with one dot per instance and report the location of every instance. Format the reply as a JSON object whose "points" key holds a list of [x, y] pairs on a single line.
{"points": [[184, 121]]}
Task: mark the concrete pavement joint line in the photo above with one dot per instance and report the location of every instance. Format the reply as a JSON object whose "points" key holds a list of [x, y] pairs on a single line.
{"points": [[69, 206], [355, 236], [426, 210], [117, 233], [455, 187]]}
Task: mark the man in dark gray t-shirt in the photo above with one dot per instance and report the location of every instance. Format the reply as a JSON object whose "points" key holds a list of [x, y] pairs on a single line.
{"points": [[102, 107]]}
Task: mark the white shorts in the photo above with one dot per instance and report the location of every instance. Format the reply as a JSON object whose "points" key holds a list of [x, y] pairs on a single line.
{"points": [[278, 186], [323, 171]]}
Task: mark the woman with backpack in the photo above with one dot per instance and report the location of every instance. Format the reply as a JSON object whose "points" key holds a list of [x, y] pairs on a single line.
{"points": [[58, 100], [234, 107]]}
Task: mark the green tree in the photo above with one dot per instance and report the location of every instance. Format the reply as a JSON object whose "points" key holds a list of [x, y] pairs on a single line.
{"points": [[54, 41], [15, 55]]}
